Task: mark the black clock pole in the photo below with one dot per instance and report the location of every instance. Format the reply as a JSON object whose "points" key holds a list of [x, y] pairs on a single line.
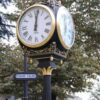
{"points": [[47, 83], [47, 65], [25, 81]]}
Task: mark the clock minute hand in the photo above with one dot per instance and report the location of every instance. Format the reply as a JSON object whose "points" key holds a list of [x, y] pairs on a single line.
{"points": [[35, 25], [36, 20]]}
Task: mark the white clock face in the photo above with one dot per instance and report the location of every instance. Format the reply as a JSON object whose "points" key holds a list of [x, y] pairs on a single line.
{"points": [[36, 26], [65, 28]]}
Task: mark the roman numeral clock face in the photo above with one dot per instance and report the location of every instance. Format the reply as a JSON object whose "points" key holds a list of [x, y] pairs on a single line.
{"points": [[36, 26], [65, 28]]}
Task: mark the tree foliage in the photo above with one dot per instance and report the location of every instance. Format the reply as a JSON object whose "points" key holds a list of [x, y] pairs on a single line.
{"points": [[5, 28], [11, 61], [84, 58], [8, 66]]}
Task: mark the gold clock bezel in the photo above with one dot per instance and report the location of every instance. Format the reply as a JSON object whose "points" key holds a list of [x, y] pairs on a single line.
{"points": [[50, 33], [59, 32]]}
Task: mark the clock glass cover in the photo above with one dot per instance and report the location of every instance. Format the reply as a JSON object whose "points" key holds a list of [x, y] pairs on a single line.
{"points": [[36, 26], [65, 28]]}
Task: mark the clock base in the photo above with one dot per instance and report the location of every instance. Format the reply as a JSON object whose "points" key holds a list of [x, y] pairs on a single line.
{"points": [[51, 52]]}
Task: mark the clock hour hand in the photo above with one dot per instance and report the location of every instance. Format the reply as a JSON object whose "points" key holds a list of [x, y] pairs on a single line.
{"points": [[36, 20], [65, 26]]}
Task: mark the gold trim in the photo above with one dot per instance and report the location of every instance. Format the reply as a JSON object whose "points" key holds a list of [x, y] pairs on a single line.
{"points": [[50, 34], [59, 32], [30, 60], [51, 58], [47, 71], [61, 62]]}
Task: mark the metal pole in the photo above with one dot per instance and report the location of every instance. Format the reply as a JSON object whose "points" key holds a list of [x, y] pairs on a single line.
{"points": [[47, 87], [25, 82], [47, 72]]}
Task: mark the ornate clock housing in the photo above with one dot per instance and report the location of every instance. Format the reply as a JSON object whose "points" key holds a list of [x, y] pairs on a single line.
{"points": [[65, 28], [36, 26]]}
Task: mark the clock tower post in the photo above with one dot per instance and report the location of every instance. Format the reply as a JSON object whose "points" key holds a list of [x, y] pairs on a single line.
{"points": [[46, 32]]}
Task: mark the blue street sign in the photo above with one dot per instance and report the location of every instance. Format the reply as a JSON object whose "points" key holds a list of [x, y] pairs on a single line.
{"points": [[25, 76]]}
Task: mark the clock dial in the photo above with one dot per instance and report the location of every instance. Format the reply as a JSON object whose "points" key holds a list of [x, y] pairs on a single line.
{"points": [[36, 26], [65, 28]]}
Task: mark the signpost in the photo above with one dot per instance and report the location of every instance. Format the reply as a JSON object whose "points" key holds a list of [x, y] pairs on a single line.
{"points": [[25, 81], [25, 76]]}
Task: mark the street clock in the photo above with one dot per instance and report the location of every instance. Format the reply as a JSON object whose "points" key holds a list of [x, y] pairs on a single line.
{"points": [[45, 32], [36, 26], [65, 28]]}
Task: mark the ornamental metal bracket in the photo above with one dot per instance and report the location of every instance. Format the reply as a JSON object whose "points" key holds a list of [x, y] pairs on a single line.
{"points": [[51, 52]]}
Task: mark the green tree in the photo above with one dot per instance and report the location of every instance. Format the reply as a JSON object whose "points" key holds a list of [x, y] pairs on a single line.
{"points": [[11, 61], [8, 66], [5, 27], [84, 58]]}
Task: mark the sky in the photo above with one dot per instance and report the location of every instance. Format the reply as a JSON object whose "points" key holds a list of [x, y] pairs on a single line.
{"points": [[11, 9]]}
